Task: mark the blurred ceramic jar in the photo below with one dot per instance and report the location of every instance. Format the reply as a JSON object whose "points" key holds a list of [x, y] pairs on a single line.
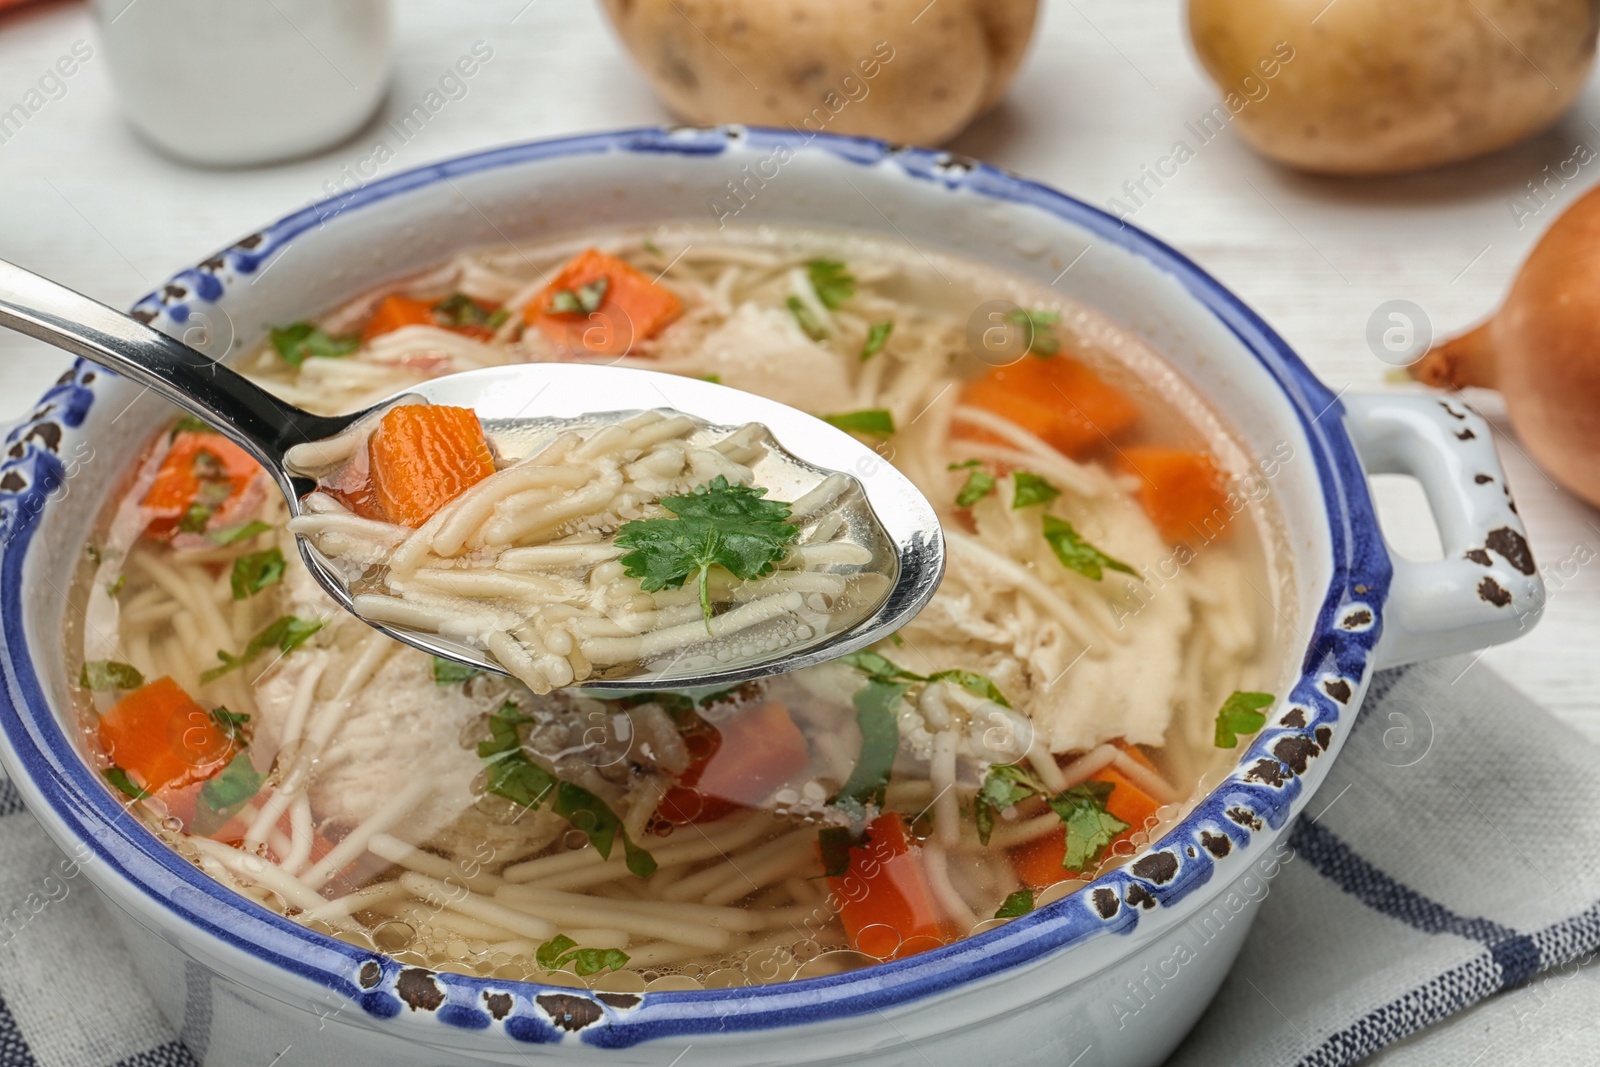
{"points": [[236, 82]]}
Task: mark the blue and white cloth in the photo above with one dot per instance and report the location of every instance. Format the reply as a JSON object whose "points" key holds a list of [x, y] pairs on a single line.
{"points": [[1437, 905]]}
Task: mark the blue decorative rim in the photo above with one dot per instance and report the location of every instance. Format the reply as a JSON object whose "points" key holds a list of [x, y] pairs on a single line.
{"points": [[1264, 790]]}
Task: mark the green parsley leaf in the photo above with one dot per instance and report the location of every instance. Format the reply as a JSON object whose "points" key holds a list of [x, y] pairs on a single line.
{"points": [[189, 424], [1039, 329], [1018, 903], [651, 247], [1090, 827], [1076, 554], [968, 465], [880, 668], [93, 553], [549, 954], [231, 723], [810, 325], [584, 300], [718, 524], [459, 309], [877, 336], [517, 778], [561, 950], [1241, 715], [230, 790], [972, 682], [254, 572], [286, 633], [194, 518], [714, 379], [832, 280], [114, 586], [877, 714], [834, 844], [1031, 490], [119, 778], [875, 422], [231, 535], [1003, 787], [980, 483], [449, 672], [99, 675], [302, 341]]}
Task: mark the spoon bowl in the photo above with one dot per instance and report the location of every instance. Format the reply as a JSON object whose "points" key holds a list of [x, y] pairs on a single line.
{"points": [[508, 399]]}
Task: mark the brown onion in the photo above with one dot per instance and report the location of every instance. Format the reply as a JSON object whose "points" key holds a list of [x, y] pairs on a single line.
{"points": [[1541, 350]]}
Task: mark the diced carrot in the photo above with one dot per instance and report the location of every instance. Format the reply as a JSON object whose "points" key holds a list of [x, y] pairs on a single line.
{"points": [[163, 739], [422, 456], [748, 757], [632, 309], [395, 312], [1183, 492], [1059, 400], [885, 900], [1039, 862], [201, 470]]}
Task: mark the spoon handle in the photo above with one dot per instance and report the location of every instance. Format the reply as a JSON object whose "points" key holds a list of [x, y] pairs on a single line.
{"points": [[251, 416]]}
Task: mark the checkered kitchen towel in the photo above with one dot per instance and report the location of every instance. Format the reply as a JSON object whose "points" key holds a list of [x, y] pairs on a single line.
{"points": [[1453, 854]]}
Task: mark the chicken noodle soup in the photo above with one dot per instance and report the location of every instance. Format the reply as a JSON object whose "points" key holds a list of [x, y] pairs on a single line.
{"points": [[581, 549], [1102, 642]]}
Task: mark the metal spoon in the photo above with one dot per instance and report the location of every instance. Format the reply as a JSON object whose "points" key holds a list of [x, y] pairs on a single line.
{"points": [[267, 428]]}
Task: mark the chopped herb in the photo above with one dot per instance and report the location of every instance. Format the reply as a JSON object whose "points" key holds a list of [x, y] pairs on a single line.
{"points": [[1241, 715], [561, 950], [807, 319], [876, 422], [584, 300], [1076, 554], [1018, 903], [877, 336], [302, 341], [897, 641], [100, 675], [714, 379], [517, 778], [967, 465], [877, 706], [459, 309], [1090, 827], [979, 484], [286, 633], [189, 424], [498, 319], [651, 247], [877, 714], [230, 535], [1031, 490], [832, 281], [93, 553], [1042, 339], [119, 778], [973, 682], [718, 524], [194, 518], [450, 672], [115, 587], [881, 668], [230, 790], [255, 572], [231, 723], [1003, 786], [834, 844]]}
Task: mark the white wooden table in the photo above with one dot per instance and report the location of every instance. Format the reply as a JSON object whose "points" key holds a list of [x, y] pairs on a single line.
{"points": [[1106, 90]]}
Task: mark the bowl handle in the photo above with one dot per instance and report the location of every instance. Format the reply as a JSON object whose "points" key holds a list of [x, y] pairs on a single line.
{"points": [[1487, 589]]}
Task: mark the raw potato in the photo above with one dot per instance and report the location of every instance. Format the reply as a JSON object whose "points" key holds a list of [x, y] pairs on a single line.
{"points": [[904, 70], [1380, 86]]}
